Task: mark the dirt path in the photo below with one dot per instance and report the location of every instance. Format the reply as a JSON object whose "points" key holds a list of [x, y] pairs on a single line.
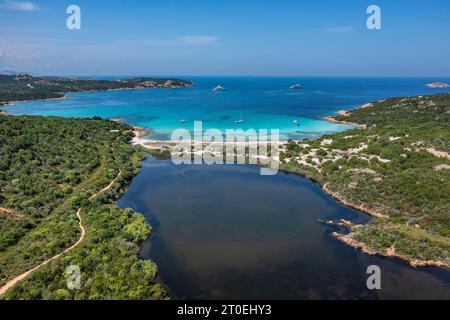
{"points": [[15, 280]]}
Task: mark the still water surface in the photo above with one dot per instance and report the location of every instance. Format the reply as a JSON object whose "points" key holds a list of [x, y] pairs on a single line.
{"points": [[223, 232]]}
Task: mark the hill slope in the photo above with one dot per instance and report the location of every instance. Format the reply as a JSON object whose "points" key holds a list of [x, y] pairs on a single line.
{"points": [[23, 87], [49, 167], [396, 166]]}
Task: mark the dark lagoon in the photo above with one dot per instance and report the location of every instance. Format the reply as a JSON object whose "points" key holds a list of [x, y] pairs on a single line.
{"points": [[225, 232]]}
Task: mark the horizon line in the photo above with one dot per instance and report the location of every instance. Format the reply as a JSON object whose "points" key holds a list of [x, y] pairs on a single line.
{"points": [[223, 75]]}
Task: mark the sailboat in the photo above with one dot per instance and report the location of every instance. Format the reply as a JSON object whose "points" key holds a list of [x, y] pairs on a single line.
{"points": [[219, 88], [240, 119]]}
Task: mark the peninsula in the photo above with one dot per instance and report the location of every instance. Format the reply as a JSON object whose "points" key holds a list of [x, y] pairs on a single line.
{"points": [[24, 87], [393, 166]]}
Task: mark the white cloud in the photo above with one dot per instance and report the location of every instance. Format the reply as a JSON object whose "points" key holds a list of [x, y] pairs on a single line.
{"points": [[11, 56], [195, 40], [338, 29], [19, 5]]}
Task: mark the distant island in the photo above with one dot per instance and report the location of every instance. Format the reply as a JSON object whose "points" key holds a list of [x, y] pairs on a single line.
{"points": [[437, 85], [24, 87]]}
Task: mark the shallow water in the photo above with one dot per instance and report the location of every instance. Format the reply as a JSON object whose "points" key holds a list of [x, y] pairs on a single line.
{"points": [[227, 232], [263, 103]]}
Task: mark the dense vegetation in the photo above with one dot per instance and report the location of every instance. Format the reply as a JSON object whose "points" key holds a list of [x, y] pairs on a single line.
{"points": [[49, 167], [397, 167], [25, 87]]}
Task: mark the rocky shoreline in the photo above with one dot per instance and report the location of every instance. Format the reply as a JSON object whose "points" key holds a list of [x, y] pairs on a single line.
{"points": [[65, 97], [361, 208], [12, 103], [348, 238], [332, 119], [346, 113], [390, 252], [60, 87]]}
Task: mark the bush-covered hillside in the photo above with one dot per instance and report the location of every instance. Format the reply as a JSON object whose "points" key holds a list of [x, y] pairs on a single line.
{"points": [[25, 87], [49, 167], [398, 168]]}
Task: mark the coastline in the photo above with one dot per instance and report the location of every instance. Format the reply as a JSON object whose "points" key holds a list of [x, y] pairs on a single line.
{"points": [[65, 96], [346, 113], [12, 103], [334, 120], [390, 252], [138, 132], [347, 238], [347, 203]]}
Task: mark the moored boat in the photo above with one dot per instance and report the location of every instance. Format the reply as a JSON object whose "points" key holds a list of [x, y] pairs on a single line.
{"points": [[219, 88], [296, 86]]}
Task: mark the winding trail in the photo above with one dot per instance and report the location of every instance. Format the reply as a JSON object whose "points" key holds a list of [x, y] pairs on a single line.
{"points": [[22, 276]]}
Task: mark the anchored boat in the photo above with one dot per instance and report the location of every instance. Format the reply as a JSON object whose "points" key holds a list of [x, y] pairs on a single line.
{"points": [[240, 119], [296, 86], [219, 88]]}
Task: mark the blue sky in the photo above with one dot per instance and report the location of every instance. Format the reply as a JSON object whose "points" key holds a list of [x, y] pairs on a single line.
{"points": [[226, 37]]}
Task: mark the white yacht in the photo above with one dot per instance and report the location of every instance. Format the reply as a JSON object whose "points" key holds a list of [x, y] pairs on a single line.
{"points": [[219, 88], [297, 86], [296, 122]]}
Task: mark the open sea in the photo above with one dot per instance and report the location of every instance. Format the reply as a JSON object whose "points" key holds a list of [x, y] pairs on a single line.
{"points": [[262, 102]]}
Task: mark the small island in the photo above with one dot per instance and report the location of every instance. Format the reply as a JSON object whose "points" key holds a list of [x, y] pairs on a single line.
{"points": [[437, 85], [24, 87]]}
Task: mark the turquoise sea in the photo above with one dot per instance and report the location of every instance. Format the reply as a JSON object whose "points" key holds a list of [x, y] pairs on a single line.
{"points": [[262, 102]]}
